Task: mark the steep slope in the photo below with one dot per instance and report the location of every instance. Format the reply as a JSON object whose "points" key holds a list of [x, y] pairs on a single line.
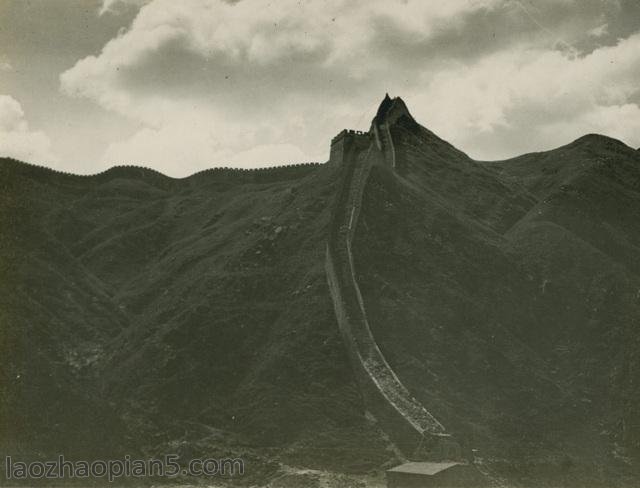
{"points": [[517, 339], [411, 427], [582, 243], [192, 312]]}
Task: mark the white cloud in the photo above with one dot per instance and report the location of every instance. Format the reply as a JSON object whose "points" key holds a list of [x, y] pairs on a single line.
{"points": [[265, 63], [17, 140], [177, 155], [250, 33], [539, 98], [11, 115], [185, 146], [619, 121], [265, 155], [114, 6], [601, 30], [215, 82]]}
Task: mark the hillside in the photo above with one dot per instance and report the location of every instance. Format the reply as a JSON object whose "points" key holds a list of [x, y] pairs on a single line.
{"points": [[145, 314], [171, 311], [506, 296]]}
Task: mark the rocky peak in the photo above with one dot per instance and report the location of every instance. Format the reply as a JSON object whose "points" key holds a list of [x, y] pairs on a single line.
{"points": [[390, 110]]}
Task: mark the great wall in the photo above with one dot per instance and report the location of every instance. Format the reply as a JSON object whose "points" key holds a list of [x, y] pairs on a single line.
{"points": [[138, 170], [415, 431]]}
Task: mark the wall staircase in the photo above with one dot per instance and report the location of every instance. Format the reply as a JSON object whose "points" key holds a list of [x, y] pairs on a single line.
{"points": [[417, 433]]}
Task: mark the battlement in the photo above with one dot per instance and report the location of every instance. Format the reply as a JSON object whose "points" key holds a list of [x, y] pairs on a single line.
{"points": [[344, 141], [139, 171], [347, 133]]}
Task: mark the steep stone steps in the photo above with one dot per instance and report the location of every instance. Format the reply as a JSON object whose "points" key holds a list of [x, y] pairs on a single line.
{"points": [[407, 422]]}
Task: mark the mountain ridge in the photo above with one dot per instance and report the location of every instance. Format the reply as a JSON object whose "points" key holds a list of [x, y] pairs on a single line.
{"points": [[193, 314]]}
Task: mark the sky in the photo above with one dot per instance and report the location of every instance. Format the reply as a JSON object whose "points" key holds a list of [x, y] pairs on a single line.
{"points": [[181, 86]]}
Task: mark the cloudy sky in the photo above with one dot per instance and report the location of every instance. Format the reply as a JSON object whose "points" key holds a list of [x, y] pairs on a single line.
{"points": [[185, 85]]}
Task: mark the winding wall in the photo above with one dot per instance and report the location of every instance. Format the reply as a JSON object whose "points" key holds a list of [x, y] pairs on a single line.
{"points": [[412, 428]]}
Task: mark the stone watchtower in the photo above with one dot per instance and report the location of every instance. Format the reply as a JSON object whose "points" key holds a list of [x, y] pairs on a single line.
{"points": [[345, 143]]}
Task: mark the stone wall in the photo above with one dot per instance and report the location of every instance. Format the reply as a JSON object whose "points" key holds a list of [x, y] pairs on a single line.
{"points": [[345, 142], [413, 429]]}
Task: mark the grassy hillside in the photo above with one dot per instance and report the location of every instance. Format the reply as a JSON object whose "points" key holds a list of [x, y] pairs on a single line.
{"points": [[144, 314], [506, 297]]}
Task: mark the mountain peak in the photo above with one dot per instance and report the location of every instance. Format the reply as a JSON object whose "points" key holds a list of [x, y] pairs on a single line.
{"points": [[390, 110], [385, 105], [598, 141]]}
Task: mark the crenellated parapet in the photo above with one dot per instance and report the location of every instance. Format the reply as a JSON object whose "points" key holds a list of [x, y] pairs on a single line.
{"points": [[345, 141], [139, 171]]}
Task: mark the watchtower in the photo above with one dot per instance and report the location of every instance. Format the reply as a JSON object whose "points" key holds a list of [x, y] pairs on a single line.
{"points": [[345, 141]]}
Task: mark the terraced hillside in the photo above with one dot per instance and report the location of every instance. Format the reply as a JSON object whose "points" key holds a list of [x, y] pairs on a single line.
{"points": [[146, 314]]}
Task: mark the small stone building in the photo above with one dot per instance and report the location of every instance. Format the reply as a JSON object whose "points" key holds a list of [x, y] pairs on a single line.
{"points": [[429, 474]]}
